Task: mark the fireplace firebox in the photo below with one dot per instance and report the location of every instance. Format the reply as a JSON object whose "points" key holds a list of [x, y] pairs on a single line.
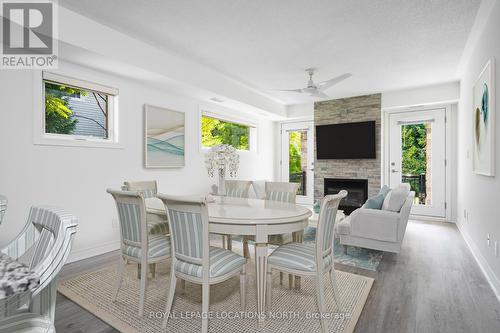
{"points": [[357, 192]]}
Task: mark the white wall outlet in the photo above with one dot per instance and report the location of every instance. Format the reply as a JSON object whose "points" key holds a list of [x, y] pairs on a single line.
{"points": [[496, 249], [488, 239]]}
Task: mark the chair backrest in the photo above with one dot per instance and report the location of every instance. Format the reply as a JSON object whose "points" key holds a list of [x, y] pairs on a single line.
{"points": [[404, 215], [238, 188], [188, 222], [148, 188], [281, 191], [132, 218], [326, 225], [3, 207]]}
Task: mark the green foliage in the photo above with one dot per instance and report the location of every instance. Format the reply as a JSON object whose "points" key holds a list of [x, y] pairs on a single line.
{"points": [[414, 142], [294, 160], [215, 132], [57, 112]]}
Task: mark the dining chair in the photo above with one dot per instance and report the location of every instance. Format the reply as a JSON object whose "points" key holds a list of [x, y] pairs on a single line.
{"points": [[137, 245], [311, 259], [3, 207], [282, 192], [193, 258], [156, 224], [235, 189], [43, 246]]}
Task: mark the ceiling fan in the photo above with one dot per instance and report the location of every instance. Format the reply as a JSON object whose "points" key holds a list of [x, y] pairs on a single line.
{"points": [[317, 90]]}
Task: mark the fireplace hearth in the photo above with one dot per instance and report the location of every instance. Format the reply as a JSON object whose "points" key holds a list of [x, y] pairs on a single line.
{"points": [[357, 192]]}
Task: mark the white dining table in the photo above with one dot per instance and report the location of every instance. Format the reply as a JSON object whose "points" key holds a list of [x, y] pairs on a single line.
{"points": [[255, 217]]}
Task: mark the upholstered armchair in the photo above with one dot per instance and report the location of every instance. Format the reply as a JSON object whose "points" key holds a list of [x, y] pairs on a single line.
{"points": [[3, 207], [43, 245]]}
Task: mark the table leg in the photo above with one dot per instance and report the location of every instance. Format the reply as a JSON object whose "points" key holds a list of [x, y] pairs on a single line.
{"points": [[261, 272]]}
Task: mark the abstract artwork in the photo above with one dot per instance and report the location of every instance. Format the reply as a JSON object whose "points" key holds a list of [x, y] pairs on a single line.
{"points": [[484, 122], [164, 137]]}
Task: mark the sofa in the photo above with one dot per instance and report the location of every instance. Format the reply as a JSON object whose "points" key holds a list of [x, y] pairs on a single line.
{"points": [[379, 229]]}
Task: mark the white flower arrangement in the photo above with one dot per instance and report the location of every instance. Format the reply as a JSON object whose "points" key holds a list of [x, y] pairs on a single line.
{"points": [[222, 158]]}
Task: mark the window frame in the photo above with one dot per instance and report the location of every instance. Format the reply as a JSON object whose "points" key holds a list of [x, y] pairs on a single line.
{"points": [[253, 133], [54, 139]]}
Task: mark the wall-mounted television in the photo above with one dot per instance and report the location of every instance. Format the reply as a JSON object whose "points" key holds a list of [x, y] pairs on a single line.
{"points": [[346, 141]]}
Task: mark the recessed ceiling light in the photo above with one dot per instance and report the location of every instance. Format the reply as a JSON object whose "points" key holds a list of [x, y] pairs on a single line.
{"points": [[217, 100]]}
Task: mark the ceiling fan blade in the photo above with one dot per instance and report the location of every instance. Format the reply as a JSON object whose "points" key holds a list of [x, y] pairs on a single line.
{"points": [[319, 93], [327, 84], [290, 90]]}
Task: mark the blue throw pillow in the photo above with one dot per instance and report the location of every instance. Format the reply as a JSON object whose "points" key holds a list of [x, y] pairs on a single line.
{"points": [[375, 202], [384, 190]]}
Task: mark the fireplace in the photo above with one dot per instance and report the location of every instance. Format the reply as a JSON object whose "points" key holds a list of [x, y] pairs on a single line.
{"points": [[357, 192]]}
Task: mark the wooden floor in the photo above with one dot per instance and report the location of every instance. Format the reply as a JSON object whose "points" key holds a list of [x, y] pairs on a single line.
{"points": [[433, 285]]}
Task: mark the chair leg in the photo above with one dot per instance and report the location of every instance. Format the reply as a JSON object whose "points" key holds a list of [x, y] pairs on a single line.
{"points": [[320, 292], [336, 294], [246, 251], [138, 271], [291, 281], [144, 280], [281, 278], [205, 301], [121, 272], [183, 286], [243, 288], [224, 242], [269, 290], [229, 242], [170, 298], [152, 268]]}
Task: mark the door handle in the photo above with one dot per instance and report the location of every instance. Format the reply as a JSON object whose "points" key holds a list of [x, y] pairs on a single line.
{"points": [[394, 171]]}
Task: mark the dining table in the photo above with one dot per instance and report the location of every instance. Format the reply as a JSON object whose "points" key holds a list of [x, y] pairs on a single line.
{"points": [[250, 217]]}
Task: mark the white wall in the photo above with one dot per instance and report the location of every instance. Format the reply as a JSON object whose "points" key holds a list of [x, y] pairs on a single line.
{"points": [[479, 195], [77, 178], [433, 94]]}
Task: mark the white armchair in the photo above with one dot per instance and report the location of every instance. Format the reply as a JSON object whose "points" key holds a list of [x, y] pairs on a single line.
{"points": [[376, 229], [44, 245]]}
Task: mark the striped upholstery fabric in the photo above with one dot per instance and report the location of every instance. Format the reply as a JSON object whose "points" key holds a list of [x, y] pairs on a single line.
{"points": [[148, 193], [297, 256], [237, 192], [279, 196], [157, 228], [158, 246], [130, 221], [187, 229], [331, 215], [221, 262]]}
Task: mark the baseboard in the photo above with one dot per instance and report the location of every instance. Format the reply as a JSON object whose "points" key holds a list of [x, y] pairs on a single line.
{"points": [[481, 261], [93, 251]]}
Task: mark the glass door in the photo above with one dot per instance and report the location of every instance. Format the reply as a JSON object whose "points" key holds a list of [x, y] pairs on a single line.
{"points": [[297, 162], [417, 156]]}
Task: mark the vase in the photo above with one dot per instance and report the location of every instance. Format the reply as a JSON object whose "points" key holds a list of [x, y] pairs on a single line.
{"points": [[222, 183]]}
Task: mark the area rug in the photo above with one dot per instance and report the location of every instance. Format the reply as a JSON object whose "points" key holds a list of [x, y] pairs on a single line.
{"points": [[292, 310], [356, 256]]}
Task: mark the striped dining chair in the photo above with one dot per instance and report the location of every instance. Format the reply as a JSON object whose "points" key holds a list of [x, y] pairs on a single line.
{"points": [[137, 245], [43, 245], [193, 259], [157, 224], [282, 192], [3, 207], [311, 259], [235, 189]]}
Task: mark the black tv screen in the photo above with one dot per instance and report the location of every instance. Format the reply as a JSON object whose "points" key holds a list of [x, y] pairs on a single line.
{"points": [[346, 141]]}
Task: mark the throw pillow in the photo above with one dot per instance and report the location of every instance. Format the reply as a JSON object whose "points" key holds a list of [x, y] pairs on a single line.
{"points": [[396, 198], [384, 190], [375, 202]]}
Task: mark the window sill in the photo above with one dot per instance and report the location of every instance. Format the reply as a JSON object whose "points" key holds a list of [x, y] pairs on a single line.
{"points": [[89, 143]]}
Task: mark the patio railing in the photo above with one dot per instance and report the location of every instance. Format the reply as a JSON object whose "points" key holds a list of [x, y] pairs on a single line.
{"points": [[417, 184]]}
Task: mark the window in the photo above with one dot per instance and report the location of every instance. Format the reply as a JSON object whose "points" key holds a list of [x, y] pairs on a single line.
{"points": [[215, 131], [77, 110]]}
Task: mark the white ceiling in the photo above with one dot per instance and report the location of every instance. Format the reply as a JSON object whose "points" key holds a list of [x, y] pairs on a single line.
{"points": [[386, 45]]}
